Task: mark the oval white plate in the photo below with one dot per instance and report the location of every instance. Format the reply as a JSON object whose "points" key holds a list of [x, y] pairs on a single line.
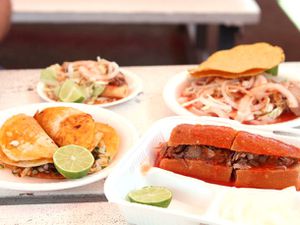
{"points": [[174, 86], [135, 85], [127, 132]]}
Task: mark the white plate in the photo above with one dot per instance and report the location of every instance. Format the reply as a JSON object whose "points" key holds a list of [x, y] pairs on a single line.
{"points": [[128, 136], [135, 85], [194, 201], [175, 85]]}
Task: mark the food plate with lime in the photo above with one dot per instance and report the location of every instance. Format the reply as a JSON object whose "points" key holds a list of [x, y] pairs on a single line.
{"points": [[99, 82], [75, 159]]}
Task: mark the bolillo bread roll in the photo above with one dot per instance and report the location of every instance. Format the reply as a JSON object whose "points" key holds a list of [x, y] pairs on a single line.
{"points": [[223, 155]]}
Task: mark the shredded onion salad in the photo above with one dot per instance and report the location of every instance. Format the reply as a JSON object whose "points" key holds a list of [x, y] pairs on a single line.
{"points": [[91, 71], [261, 99], [88, 78]]}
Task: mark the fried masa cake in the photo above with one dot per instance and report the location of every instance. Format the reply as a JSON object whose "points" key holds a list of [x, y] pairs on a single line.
{"points": [[25, 145], [23, 139], [66, 125], [27, 150]]}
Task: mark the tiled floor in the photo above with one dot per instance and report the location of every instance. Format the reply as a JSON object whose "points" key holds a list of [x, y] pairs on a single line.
{"points": [[32, 46]]}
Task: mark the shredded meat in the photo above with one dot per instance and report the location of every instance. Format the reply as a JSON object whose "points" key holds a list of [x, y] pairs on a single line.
{"points": [[219, 156], [118, 80], [202, 152], [242, 160], [31, 171]]}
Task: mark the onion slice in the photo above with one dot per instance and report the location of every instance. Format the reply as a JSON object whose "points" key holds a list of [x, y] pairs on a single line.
{"points": [[260, 92]]}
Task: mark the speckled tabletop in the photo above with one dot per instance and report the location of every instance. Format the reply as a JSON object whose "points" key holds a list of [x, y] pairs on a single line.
{"points": [[99, 213], [85, 205]]}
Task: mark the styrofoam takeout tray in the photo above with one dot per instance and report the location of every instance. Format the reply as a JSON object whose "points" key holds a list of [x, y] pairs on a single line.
{"points": [[194, 201]]}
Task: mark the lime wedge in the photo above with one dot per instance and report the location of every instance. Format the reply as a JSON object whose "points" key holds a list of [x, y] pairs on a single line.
{"points": [[151, 195], [70, 92], [273, 71], [48, 76], [73, 161], [56, 90], [87, 91]]}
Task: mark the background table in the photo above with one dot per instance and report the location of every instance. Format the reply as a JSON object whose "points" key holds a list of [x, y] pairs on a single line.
{"points": [[229, 15], [18, 88], [233, 12]]}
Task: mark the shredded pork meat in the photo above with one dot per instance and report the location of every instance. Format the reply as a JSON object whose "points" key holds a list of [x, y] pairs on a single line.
{"points": [[220, 156]]}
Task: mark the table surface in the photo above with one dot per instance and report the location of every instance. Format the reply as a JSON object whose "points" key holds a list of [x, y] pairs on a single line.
{"points": [[18, 88], [230, 12]]}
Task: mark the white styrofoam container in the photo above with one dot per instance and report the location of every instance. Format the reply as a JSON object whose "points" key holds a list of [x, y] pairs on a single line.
{"points": [[194, 201]]}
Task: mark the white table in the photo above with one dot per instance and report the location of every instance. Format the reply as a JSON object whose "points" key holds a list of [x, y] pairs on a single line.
{"points": [[196, 14], [18, 87], [230, 12]]}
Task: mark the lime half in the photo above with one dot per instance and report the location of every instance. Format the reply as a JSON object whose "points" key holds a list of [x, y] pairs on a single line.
{"points": [[70, 92], [73, 161], [151, 195], [48, 76], [273, 71]]}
